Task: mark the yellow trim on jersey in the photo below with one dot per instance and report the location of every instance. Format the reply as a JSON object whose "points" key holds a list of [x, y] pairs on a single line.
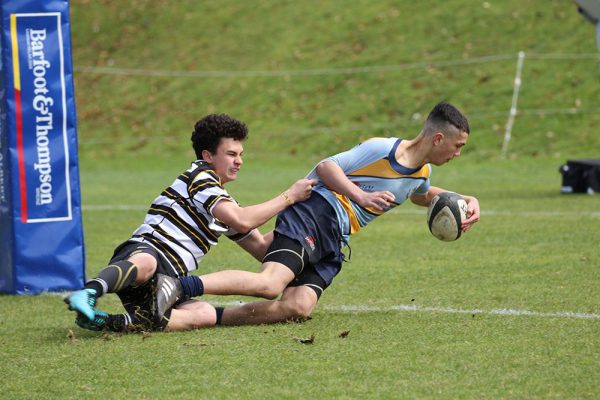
{"points": [[345, 202], [382, 169], [210, 173]]}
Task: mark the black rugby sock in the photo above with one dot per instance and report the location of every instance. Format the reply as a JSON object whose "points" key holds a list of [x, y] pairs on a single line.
{"points": [[219, 311], [113, 278], [117, 322]]}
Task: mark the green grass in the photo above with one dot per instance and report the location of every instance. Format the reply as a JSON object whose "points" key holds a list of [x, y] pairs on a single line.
{"points": [[533, 250], [317, 114]]}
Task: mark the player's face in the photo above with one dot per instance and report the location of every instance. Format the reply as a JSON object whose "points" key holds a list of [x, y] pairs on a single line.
{"points": [[227, 160], [448, 147]]}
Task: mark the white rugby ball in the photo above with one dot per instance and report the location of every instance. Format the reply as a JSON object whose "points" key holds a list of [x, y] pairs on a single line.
{"points": [[445, 215]]}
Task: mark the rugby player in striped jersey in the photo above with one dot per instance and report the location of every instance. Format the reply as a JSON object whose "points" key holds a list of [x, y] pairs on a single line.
{"points": [[182, 225]]}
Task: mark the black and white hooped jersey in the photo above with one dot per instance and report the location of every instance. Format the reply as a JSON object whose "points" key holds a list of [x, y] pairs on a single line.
{"points": [[180, 224]]}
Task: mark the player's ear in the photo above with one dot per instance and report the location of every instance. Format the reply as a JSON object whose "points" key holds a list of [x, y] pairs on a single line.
{"points": [[207, 156], [438, 138]]}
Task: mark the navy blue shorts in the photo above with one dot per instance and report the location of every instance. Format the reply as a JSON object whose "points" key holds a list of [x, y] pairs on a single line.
{"points": [[313, 223]]}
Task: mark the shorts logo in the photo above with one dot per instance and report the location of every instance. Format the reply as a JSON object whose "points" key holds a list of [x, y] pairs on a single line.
{"points": [[310, 241]]}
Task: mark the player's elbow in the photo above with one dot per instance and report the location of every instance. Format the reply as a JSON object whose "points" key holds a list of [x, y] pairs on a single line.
{"points": [[324, 166], [419, 200], [242, 225]]}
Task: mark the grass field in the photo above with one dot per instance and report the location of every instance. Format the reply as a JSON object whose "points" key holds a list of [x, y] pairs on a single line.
{"points": [[511, 310], [422, 315]]}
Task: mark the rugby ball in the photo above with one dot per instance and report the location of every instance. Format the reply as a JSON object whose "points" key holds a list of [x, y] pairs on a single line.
{"points": [[445, 215]]}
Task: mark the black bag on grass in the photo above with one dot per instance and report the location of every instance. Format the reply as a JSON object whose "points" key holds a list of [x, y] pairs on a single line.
{"points": [[580, 176]]}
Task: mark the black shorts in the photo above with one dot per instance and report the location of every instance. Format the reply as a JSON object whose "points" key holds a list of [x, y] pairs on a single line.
{"points": [[290, 253], [130, 248], [137, 300], [309, 231]]}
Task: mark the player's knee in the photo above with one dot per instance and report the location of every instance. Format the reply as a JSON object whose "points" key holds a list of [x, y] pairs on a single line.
{"points": [[272, 280], [268, 290], [299, 310], [146, 267], [204, 315]]}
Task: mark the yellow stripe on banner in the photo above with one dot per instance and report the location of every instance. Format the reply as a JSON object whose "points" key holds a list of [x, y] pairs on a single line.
{"points": [[15, 51], [345, 202]]}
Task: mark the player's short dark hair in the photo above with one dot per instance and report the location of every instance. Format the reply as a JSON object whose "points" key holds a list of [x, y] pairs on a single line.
{"points": [[209, 131], [447, 119]]}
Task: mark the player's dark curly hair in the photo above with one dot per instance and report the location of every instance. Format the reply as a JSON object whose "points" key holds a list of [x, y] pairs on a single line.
{"points": [[209, 131], [447, 119]]}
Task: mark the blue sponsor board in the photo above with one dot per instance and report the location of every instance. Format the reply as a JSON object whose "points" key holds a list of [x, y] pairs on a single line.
{"points": [[6, 226], [44, 134], [41, 218]]}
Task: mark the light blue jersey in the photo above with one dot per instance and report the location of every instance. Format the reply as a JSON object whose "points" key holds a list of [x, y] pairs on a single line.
{"points": [[372, 166]]}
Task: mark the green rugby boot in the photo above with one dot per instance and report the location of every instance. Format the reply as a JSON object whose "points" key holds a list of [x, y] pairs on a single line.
{"points": [[83, 302], [98, 323]]}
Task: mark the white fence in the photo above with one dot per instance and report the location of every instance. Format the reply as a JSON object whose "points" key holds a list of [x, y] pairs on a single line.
{"points": [[512, 113]]}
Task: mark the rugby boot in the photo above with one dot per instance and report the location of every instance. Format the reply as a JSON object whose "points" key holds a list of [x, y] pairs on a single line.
{"points": [[83, 302], [168, 292], [98, 323]]}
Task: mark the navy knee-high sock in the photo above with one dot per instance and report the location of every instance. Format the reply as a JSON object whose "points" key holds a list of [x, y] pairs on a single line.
{"points": [[192, 285]]}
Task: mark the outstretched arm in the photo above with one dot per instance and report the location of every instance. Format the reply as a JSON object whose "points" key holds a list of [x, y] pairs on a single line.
{"points": [[335, 179], [243, 219], [473, 211]]}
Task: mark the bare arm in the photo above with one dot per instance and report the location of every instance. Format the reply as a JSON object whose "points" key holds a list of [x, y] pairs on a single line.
{"points": [[243, 219], [335, 179], [257, 244], [424, 200], [473, 210]]}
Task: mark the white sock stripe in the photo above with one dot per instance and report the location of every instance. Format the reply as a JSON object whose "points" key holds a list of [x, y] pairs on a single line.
{"points": [[102, 283]]}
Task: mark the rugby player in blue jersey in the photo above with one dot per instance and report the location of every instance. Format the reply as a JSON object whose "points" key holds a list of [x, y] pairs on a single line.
{"points": [[183, 223], [354, 188]]}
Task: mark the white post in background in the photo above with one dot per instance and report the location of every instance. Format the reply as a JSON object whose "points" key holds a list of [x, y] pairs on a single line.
{"points": [[513, 107]]}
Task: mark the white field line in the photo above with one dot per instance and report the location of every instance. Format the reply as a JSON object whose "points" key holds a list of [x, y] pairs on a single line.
{"points": [[505, 312], [543, 214], [447, 310], [113, 207], [444, 310]]}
